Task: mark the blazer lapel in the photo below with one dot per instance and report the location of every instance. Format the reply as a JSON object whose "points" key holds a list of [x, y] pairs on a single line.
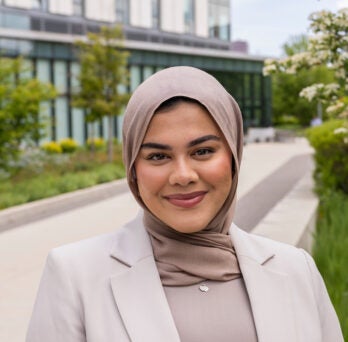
{"points": [[269, 291], [138, 291]]}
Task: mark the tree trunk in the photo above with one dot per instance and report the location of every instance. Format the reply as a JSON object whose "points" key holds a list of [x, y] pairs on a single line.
{"points": [[110, 139], [92, 137]]}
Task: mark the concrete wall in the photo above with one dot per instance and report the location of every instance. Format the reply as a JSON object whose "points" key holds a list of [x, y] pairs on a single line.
{"points": [[18, 3], [64, 7], [201, 16], [103, 10], [172, 16], [141, 13]]}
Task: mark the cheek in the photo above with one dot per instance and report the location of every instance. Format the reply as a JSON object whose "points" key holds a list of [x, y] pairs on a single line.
{"points": [[149, 179], [220, 172]]}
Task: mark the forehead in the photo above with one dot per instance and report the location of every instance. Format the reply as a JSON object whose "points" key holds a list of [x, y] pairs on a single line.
{"points": [[184, 118]]}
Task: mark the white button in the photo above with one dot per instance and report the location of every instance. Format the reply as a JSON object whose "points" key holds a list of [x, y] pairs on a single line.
{"points": [[204, 288]]}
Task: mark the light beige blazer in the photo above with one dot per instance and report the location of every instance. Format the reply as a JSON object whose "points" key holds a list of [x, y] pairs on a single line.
{"points": [[107, 289]]}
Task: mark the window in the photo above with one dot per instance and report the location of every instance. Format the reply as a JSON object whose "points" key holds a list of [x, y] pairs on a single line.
{"points": [[219, 19], [122, 11], [78, 7], [40, 5], [189, 16], [155, 5]]}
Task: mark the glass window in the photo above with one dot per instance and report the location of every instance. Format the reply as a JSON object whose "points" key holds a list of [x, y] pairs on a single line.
{"points": [[43, 70], [74, 72], [147, 72], [135, 77], [60, 76], [78, 124], [155, 5], [122, 11], [78, 7], [219, 19], [189, 16], [61, 121], [16, 21], [45, 118]]}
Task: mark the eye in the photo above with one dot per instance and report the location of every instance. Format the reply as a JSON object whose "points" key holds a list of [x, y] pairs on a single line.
{"points": [[204, 152], [156, 156]]}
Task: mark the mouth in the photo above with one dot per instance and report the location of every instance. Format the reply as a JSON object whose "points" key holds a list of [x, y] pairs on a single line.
{"points": [[186, 200]]}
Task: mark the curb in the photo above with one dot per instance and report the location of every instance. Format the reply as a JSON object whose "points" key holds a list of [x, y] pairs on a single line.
{"points": [[293, 219], [36, 210]]}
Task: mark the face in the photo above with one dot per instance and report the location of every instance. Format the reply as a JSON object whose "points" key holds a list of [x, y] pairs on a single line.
{"points": [[183, 169]]}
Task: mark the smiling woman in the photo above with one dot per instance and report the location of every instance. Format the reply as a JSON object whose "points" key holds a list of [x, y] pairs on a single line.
{"points": [[181, 270], [184, 179]]}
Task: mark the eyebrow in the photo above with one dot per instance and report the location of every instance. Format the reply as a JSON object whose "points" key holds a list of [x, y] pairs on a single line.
{"points": [[192, 143]]}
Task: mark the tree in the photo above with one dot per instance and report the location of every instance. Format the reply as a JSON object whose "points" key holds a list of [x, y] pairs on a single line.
{"points": [[287, 87], [103, 72], [20, 99], [328, 46]]}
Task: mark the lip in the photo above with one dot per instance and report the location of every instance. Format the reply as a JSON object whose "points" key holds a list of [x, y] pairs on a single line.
{"points": [[186, 200]]}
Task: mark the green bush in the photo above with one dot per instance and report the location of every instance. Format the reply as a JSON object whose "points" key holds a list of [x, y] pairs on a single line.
{"points": [[331, 251], [68, 145], [52, 147], [330, 141]]}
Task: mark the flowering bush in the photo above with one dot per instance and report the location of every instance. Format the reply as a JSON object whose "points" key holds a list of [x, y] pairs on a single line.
{"points": [[330, 141], [52, 147], [328, 46], [99, 143], [68, 145]]}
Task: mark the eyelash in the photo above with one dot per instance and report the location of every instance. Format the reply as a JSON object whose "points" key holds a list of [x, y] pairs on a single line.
{"points": [[201, 152]]}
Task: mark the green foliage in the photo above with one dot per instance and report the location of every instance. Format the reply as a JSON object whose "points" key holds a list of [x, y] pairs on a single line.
{"points": [[102, 77], [68, 145], [331, 253], [99, 143], [52, 147], [330, 141], [287, 87], [20, 98], [40, 175]]}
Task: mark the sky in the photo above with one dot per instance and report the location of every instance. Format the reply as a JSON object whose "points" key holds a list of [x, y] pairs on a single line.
{"points": [[267, 24]]}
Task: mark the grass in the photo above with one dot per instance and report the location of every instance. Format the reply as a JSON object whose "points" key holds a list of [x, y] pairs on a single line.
{"points": [[40, 176], [331, 251]]}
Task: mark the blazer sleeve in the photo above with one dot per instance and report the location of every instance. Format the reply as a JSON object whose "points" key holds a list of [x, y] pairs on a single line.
{"points": [[330, 326], [57, 313]]}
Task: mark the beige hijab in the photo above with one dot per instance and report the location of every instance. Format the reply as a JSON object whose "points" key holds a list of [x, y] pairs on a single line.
{"points": [[184, 259]]}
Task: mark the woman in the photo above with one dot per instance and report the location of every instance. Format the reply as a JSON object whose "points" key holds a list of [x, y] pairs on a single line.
{"points": [[181, 271]]}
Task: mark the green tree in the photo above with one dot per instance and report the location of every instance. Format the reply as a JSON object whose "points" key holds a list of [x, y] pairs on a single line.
{"points": [[287, 87], [103, 75], [20, 99]]}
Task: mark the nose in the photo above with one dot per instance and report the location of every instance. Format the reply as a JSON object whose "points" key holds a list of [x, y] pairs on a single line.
{"points": [[183, 174]]}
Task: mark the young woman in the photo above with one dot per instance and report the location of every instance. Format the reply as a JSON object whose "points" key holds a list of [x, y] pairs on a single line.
{"points": [[182, 271]]}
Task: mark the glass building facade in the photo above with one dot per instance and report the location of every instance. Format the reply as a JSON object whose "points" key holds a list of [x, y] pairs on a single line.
{"points": [[54, 61]]}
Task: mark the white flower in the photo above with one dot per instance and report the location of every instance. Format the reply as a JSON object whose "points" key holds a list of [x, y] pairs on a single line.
{"points": [[341, 130]]}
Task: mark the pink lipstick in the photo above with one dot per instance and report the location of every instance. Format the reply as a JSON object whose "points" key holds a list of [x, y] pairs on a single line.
{"points": [[186, 200]]}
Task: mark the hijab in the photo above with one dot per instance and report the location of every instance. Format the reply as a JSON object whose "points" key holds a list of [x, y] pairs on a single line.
{"points": [[181, 258]]}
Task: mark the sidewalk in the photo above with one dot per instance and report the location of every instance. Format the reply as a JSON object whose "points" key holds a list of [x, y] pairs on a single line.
{"points": [[23, 249]]}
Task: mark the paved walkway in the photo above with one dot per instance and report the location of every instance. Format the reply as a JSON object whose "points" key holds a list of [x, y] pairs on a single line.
{"points": [[23, 249]]}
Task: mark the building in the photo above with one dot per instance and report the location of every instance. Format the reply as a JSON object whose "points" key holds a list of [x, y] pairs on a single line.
{"points": [[159, 34]]}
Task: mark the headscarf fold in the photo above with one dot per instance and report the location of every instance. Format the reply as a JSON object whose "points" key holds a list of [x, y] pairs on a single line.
{"points": [[184, 259]]}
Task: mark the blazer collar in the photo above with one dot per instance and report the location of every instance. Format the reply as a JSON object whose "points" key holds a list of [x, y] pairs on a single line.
{"points": [[269, 289], [143, 306], [138, 290]]}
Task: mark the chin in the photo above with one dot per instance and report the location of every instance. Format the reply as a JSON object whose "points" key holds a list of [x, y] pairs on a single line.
{"points": [[187, 228]]}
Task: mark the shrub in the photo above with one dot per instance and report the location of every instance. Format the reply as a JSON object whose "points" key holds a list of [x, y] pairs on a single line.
{"points": [[52, 147], [331, 253], [330, 141], [68, 145], [99, 143]]}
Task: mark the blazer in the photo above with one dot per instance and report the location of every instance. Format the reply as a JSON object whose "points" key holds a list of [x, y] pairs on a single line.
{"points": [[107, 288]]}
